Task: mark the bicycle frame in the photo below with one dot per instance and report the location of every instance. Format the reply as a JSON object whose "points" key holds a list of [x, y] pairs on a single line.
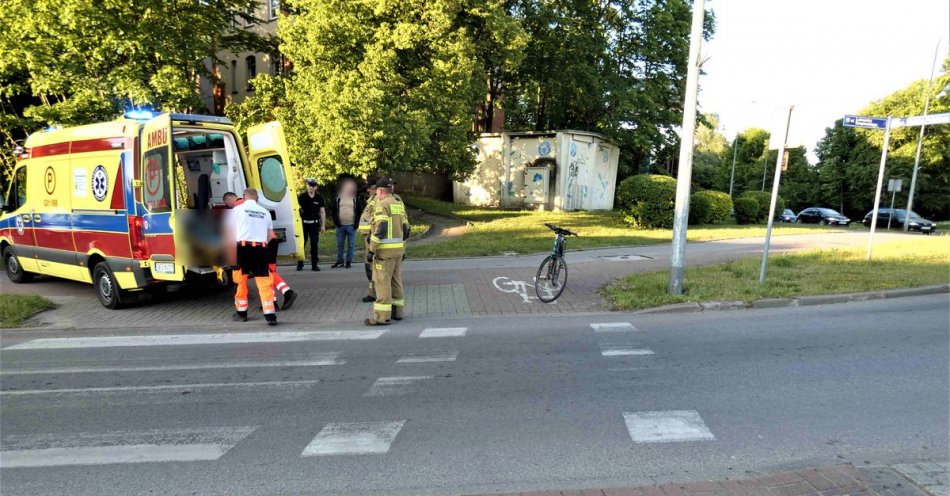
{"points": [[558, 249]]}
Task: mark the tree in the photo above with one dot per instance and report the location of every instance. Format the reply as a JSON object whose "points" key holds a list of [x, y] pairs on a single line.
{"points": [[849, 158], [73, 62], [617, 67], [380, 85], [709, 155]]}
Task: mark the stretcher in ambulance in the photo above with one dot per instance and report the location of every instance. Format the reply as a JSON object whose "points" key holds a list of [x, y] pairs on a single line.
{"points": [[136, 203]]}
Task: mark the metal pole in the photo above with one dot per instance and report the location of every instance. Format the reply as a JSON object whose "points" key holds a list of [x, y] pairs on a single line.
{"points": [[765, 167], [775, 183], [685, 176], [732, 177], [891, 217], [920, 145], [880, 183]]}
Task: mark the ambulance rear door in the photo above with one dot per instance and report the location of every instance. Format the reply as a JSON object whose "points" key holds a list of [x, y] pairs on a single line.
{"points": [[270, 160], [157, 186]]}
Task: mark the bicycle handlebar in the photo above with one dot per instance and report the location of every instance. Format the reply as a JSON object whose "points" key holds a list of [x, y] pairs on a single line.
{"points": [[560, 230]]}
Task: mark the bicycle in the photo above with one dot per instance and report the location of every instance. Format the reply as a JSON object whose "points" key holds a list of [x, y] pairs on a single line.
{"points": [[552, 274]]}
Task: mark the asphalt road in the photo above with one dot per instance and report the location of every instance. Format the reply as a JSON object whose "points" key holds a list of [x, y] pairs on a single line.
{"points": [[513, 404]]}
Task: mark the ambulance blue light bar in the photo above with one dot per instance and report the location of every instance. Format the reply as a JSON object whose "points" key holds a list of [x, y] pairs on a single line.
{"points": [[139, 115]]}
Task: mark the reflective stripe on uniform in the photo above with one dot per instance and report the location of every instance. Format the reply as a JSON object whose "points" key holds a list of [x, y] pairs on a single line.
{"points": [[399, 303], [383, 245], [382, 307]]}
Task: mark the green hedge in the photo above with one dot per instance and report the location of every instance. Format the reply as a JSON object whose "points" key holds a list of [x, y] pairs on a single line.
{"points": [[699, 206], [714, 207], [764, 198], [647, 200], [746, 210]]}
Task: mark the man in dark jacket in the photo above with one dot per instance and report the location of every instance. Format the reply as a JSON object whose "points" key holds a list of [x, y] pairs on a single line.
{"points": [[313, 213], [346, 210]]}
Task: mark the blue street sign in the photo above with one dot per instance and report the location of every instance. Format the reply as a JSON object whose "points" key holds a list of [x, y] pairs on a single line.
{"points": [[865, 122]]}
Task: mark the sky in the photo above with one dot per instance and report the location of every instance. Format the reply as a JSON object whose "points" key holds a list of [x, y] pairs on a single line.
{"points": [[828, 58]]}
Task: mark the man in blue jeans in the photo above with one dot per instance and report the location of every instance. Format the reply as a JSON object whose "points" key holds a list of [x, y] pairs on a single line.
{"points": [[346, 210]]}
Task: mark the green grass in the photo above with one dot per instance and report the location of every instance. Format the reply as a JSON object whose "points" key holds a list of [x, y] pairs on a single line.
{"points": [[917, 261], [14, 309], [497, 232]]}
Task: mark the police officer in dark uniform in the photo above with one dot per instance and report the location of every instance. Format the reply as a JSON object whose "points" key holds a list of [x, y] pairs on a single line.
{"points": [[313, 213]]}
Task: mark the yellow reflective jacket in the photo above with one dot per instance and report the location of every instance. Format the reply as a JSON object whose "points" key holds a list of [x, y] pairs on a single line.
{"points": [[366, 217], [390, 227]]}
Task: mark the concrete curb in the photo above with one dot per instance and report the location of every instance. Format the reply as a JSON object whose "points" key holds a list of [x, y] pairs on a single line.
{"points": [[690, 306], [799, 301], [802, 301]]}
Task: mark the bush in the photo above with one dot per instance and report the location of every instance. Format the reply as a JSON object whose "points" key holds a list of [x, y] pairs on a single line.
{"points": [[699, 206], [764, 198], [647, 200], [746, 210], [716, 204]]}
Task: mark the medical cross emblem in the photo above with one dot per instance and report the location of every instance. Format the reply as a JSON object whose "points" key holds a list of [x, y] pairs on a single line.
{"points": [[100, 183]]}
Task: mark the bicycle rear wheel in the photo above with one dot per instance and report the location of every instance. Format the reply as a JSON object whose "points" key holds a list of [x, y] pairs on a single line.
{"points": [[551, 278]]}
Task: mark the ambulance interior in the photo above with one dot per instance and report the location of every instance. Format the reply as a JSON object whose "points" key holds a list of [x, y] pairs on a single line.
{"points": [[207, 165]]}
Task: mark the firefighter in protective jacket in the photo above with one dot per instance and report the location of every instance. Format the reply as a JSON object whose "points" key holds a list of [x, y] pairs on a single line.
{"points": [[389, 231], [366, 222]]}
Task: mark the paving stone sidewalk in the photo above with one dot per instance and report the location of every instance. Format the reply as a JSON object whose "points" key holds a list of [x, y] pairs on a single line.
{"points": [[920, 479], [434, 288]]}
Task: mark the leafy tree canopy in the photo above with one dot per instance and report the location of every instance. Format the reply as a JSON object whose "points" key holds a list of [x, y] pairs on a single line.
{"points": [[384, 85]]}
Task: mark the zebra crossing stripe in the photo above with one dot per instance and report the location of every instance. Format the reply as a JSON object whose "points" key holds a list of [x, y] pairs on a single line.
{"points": [[318, 359], [194, 339], [160, 445], [394, 386], [612, 350], [444, 332], [447, 356], [614, 327], [667, 426], [354, 438], [170, 388]]}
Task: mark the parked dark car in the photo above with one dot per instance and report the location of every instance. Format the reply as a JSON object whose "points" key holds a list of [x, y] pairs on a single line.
{"points": [[917, 223], [824, 216], [787, 216]]}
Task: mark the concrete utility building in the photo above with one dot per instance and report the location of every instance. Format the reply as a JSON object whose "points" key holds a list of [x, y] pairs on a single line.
{"points": [[554, 170]]}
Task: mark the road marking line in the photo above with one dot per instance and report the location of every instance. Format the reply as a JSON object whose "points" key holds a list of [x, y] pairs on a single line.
{"points": [[320, 360], [194, 339], [666, 426], [172, 387], [162, 445], [354, 438], [614, 327], [444, 332], [610, 350], [448, 356], [394, 386]]}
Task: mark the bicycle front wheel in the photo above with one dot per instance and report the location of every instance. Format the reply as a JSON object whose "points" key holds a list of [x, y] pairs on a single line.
{"points": [[551, 279]]}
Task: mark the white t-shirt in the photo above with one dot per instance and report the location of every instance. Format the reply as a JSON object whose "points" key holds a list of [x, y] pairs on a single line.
{"points": [[251, 222]]}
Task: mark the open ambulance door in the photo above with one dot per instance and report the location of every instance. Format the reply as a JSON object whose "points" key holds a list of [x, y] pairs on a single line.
{"points": [[269, 157], [157, 223]]}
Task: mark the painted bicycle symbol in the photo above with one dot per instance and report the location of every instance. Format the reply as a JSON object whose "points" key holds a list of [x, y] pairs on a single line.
{"points": [[521, 288]]}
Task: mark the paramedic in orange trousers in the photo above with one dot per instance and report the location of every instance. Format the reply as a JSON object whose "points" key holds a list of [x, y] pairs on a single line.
{"points": [[252, 229], [231, 200]]}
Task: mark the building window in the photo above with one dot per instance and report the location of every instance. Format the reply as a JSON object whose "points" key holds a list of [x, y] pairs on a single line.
{"points": [[273, 7], [234, 85], [251, 66], [275, 64]]}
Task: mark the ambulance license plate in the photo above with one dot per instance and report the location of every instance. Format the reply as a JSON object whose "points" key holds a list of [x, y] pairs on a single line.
{"points": [[164, 267]]}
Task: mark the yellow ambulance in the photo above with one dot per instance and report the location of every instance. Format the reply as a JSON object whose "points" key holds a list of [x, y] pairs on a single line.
{"points": [[133, 204]]}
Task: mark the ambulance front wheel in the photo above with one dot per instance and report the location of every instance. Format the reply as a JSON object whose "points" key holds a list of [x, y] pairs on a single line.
{"points": [[107, 288], [14, 270]]}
